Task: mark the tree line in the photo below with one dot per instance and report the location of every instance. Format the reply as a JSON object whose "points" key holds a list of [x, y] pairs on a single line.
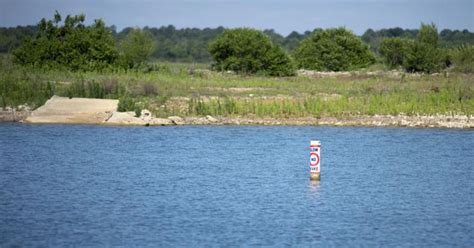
{"points": [[190, 44], [69, 43], [447, 38], [178, 45]]}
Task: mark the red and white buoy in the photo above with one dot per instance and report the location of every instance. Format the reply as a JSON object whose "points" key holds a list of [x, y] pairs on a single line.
{"points": [[315, 160]]}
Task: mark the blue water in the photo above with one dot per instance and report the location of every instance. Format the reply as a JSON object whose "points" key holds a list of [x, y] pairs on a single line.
{"points": [[225, 186]]}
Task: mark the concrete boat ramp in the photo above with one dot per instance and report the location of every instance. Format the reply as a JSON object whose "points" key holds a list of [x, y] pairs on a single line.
{"points": [[89, 111]]}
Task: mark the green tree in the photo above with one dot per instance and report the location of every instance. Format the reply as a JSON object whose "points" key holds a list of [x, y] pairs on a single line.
{"points": [[71, 45], [247, 50], [428, 34], [333, 50], [394, 50], [137, 47], [424, 55]]}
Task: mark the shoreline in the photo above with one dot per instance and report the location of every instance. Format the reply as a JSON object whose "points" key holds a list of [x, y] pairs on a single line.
{"points": [[435, 121], [438, 121], [62, 110]]}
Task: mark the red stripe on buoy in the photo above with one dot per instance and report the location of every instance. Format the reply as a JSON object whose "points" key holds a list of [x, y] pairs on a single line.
{"points": [[317, 161]]}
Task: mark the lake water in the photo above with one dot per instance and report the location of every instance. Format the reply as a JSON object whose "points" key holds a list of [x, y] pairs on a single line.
{"points": [[73, 185]]}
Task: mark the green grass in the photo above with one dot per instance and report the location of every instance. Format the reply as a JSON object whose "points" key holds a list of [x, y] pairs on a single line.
{"points": [[204, 92]]}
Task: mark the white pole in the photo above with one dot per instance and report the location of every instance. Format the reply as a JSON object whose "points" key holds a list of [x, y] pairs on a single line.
{"points": [[315, 160]]}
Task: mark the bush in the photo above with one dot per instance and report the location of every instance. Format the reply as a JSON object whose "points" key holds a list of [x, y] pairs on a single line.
{"points": [[126, 104], [73, 45], [250, 51], [138, 111], [463, 59], [394, 51], [333, 50]]}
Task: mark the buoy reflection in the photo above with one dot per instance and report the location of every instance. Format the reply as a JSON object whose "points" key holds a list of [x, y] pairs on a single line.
{"points": [[314, 185]]}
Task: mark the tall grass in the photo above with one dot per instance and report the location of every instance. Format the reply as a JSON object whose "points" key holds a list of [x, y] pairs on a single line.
{"points": [[389, 104]]}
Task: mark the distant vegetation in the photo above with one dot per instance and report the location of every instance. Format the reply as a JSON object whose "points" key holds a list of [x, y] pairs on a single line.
{"points": [[191, 44], [447, 38], [179, 45], [424, 54]]}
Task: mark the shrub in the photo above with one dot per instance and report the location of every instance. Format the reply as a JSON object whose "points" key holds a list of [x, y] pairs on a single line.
{"points": [[333, 50], [138, 111], [126, 104], [250, 51], [72, 45]]}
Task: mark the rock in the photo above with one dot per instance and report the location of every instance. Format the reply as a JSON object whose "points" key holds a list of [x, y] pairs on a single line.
{"points": [[146, 115], [161, 122], [13, 115], [125, 118], [128, 118], [197, 120], [24, 107], [211, 119], [176, 120]]}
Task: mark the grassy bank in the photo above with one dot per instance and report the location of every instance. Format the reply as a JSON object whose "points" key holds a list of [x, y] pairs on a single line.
{"points": [[190, 90]]}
